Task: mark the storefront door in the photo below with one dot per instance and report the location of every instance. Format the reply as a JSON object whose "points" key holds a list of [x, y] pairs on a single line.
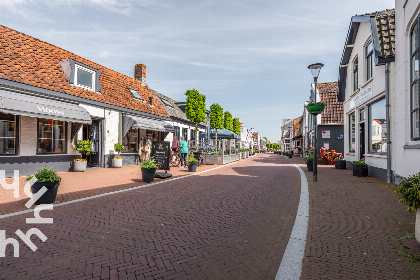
{"points": [[93, 132], [362, 140]]}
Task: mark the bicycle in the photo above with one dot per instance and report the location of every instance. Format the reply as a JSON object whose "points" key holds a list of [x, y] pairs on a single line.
{"points": [[326, 156], [175, 159], [200, 159]]}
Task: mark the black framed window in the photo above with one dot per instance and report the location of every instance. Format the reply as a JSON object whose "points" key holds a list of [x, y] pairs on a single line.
{"points": [[356, 74], [131, 140], [51, 136], [352, 132], [177, 132], [192, 134], [377, 130], [369, 60], [414, 81], [8, 135], [185, 133]]}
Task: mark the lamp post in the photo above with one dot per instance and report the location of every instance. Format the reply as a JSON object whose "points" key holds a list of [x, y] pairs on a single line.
{"points": [[315, 69]]}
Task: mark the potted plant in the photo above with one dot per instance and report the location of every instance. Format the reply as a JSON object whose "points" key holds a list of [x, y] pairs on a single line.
{"points": [[192, 163], [117, 161], [360, 168], [290, 154], [340, 163], [315, 108], [310, 162], [408, 191], [148, 170], [46, 177], [85, 148]]}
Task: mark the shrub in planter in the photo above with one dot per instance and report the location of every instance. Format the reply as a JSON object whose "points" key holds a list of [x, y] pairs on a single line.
{"points": [[148, 170], [46, 177], [192, 163], [360, 168], [310, 162], [117, 161], [340, 163], [408, 191], [290, 154], [315, 108], [85, 148]]}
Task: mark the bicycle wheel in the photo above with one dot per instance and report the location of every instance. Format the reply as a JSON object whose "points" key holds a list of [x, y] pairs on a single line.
{"points": [[175, 160]]}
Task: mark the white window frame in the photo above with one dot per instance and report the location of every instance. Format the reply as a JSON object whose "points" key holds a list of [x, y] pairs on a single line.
{"points": [[76, 69]]}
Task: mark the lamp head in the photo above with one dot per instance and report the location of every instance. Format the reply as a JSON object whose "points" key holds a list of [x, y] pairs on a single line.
{"points": [[315, 69]]}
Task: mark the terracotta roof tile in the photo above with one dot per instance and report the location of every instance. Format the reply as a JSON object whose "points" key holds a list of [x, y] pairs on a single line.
{"points": [[333, 112], [31, 61]]}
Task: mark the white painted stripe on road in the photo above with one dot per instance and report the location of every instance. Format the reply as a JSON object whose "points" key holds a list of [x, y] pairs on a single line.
{"points": [[115, 192], [291, 264]]}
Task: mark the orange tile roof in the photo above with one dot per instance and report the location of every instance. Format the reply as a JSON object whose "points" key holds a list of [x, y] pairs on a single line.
{"points": [[31, 61], [333, 112]]}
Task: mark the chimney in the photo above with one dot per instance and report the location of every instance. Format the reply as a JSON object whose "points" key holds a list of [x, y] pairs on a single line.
{"points": [[140, 73]]}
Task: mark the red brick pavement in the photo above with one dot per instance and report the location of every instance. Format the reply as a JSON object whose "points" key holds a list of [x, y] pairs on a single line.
{"points": [[230, 223], [357, 229], [75, 185]]}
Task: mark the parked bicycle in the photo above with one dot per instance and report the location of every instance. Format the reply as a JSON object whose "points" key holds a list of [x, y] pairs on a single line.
{"points": [[175, 159], [327, 156]]}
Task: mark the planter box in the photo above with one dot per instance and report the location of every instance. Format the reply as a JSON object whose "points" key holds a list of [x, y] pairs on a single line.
{"points": [[117, 162], [213, 159], [79, 166], [290, 155], [310, 166], [360, 170], [148, 175], [192, 167], [340, 164], [51, 193]]}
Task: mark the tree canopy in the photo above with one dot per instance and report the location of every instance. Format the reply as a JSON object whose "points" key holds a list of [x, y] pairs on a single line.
{"points": [[195, 108], [228, 121], [216, 116], [236, 126]]}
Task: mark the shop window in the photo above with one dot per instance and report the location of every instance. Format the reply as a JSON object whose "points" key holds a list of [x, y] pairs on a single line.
{"points": [[414, 79], [185, 133], [8, 128], [377, 131], [131, 140], [352, 132], [51, 136], [193, 134], [369, 60], [356, 74], [84, 78]]}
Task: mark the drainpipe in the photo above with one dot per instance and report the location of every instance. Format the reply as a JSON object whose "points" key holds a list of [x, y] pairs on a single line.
{"points": [[389, 178]]}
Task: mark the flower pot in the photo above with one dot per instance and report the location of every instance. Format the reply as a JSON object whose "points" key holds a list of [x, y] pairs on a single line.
{"points": [[192, 167], [310, 165], [148, 175], [290, 155], [340, 164], [417, 226], [50, 195], [360, 170], [117, 162], [315, 109], [80, 166]]}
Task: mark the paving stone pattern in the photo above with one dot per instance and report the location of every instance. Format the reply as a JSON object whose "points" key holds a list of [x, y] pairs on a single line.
{"points": [[230, 223], [357, 229]]}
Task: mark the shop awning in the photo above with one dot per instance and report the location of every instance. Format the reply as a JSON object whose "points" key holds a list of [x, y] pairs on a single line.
{"points": [[145, 123], [40, 107]]}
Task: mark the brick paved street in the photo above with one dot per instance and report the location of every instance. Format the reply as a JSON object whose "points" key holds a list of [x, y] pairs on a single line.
{"points": [[233, 222]]}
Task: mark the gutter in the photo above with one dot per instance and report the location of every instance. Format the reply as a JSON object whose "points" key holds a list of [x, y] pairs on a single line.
{"points": [[389, 173]]}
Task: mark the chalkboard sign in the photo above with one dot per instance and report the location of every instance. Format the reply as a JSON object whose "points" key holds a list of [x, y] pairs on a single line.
{"points": [[161, 152]]}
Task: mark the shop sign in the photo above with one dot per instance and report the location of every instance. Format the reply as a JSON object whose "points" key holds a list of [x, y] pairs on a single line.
{"points": [[326, 134], [50, 111], [361, 97]]}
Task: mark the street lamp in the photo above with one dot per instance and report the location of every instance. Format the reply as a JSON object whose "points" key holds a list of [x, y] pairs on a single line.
{"points": [[315, 69]]}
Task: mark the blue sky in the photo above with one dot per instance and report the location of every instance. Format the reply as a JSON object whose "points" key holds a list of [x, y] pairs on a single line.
{"points": [[251, 57]]}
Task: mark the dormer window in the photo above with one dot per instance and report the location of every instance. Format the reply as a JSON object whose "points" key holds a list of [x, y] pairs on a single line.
{"points": [[84, 78], [135, 94]]}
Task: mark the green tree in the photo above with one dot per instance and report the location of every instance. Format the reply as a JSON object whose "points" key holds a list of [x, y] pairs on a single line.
{"points": [[195, 108], [228, 121], [216, 117], [236, 126]]}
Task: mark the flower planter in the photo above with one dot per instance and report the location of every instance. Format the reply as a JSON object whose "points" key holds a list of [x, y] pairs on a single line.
{"points": [[417, 226], [340, 164], [360, 170], [192, 167], [290, 155], [50, 195], [117, 162], [80, 166], [315, 109], [148, 175], [310, 166]]}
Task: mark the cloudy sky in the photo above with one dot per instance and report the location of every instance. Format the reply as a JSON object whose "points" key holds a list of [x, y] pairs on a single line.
{"points": [[251, 57]]}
